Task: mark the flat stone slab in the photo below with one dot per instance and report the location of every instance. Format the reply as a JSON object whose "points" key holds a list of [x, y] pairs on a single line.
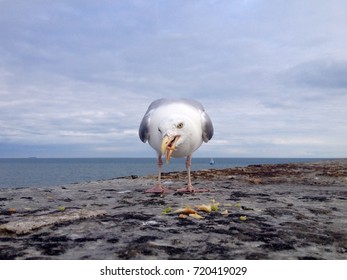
{"points": [[282, 211], [29, 224]]}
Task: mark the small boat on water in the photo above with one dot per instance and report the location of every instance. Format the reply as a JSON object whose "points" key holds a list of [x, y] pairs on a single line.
{"points": [[212, 161]]}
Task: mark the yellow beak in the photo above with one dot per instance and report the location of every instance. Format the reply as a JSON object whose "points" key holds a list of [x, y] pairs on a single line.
{"points": [[168, 145]]}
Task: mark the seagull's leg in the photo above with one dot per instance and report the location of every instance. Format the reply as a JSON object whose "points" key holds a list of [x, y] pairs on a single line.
{"points": [[158, 188], [189, 188], [188, 164], [160, 164]]}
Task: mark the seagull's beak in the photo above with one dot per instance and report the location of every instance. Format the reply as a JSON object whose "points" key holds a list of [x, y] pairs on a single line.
{"points": [[168, 145]]}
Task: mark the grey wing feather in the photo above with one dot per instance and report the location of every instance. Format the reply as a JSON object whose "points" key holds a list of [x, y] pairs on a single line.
{"points": [[144, 128], [207, 127]]}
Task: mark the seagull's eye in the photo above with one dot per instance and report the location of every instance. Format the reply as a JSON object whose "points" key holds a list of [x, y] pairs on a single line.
{"points": [[180, 125], [159, 130]]}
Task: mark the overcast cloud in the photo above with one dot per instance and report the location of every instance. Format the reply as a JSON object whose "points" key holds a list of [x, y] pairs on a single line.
{"points": [[76, 77]]}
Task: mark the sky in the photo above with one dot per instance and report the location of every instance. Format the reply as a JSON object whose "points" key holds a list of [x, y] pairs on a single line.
{"points": [[76, 77]]}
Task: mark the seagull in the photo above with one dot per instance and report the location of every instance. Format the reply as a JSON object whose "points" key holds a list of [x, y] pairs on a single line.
{"points": [[175, 128]]}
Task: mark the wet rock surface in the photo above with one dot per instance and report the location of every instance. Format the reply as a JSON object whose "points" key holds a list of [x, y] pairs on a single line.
{"points": [[285, 211]]}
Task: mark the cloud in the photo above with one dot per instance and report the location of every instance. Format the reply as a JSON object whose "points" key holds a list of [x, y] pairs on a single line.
{"points": [[321, 73], [76, 77]]}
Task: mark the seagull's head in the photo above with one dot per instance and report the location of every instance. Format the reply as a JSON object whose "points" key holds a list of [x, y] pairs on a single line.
{"points": [[174, 132]]}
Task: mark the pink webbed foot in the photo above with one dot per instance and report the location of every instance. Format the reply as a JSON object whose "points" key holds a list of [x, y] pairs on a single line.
{"points": [[158, 189]]}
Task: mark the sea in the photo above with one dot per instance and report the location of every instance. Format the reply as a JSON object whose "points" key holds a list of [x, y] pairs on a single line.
{"points": [[50, 172]]}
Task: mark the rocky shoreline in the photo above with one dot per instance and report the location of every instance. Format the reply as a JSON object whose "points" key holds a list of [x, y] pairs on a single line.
{"points": [[280, 211]]}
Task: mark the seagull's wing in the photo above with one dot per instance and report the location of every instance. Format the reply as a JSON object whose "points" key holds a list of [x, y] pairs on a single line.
{"points": [[207, 127], [144, 128]]}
